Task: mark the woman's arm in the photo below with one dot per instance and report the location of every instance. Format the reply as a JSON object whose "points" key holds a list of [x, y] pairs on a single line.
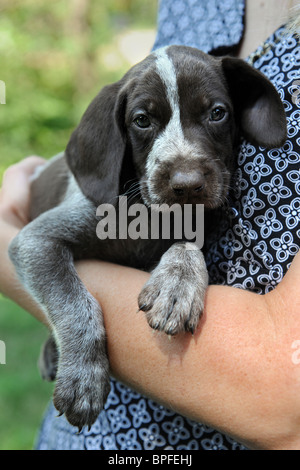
{"points": [[14, 210], [236, 373]]}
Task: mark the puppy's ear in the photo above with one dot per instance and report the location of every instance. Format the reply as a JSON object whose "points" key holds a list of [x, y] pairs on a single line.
{"points": [[97, 146], [257, 105]]}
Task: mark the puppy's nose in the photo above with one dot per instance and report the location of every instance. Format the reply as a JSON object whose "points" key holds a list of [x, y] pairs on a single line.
{"points": [[187, 183]]}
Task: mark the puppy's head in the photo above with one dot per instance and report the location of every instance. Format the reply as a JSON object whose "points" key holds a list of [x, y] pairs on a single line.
{"points": [[176, 115]]}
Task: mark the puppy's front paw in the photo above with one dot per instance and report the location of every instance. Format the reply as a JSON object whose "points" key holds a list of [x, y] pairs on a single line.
{"points": [[81, 392], [173, 298]]}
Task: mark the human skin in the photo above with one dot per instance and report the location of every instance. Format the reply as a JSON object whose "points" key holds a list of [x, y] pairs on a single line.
{"points": [[237, 373], [262, 18]]}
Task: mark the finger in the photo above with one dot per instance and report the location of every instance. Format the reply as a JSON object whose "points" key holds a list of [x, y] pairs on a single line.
{"points": [[29, 164], [15, 191], [15, 184], [25, 166]]}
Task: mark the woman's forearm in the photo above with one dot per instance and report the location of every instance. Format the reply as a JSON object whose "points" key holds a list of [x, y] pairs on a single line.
{"points": [[236, 373], [9, 284]]}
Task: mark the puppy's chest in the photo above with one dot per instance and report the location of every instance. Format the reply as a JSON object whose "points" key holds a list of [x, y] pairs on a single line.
{"points": [[137, 253], [130, 240]]}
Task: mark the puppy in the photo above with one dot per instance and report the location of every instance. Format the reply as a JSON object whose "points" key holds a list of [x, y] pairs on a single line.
{"points": [[172, 124]]}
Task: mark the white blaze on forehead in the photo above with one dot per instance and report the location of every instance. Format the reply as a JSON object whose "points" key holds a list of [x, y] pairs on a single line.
{"points": [[171, 142], [167, 73]]}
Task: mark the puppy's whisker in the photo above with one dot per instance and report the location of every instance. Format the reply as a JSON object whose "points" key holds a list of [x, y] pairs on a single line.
{"points": [[130, 191], [134, 187], [129, 181]]}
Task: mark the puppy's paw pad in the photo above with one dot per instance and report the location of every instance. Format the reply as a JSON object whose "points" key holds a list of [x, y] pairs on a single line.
{"points": [[173, 303]]}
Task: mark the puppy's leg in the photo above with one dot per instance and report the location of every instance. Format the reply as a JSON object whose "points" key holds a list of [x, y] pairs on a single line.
{"points": [[173, 297], [43, 259]]}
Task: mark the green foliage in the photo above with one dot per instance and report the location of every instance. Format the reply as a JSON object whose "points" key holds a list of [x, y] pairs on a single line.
{"points": [[23, 395], [54, 58], [51, 59]]}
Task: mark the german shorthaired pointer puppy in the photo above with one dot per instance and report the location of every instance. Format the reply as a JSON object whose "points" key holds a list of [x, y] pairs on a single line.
{"points": [[172, 123]]}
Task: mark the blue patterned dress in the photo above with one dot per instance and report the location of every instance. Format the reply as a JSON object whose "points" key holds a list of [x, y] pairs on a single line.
{"points": [[257, 238]]}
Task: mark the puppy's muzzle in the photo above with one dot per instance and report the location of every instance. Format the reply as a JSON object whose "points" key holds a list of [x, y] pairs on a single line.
{"points": [[187, 184]]}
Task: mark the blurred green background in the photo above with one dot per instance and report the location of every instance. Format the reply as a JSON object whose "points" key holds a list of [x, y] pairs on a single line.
{"points": [[54, 58]]}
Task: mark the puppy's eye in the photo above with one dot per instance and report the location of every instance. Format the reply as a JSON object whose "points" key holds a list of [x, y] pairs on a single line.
{"points": [[217, 114], [142, 121]]}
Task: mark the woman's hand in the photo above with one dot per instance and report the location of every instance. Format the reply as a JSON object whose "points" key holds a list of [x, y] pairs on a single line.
{"points": [[15, 192]]}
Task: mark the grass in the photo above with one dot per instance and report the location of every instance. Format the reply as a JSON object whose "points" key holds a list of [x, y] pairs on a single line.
{"points": [[23, 395]]}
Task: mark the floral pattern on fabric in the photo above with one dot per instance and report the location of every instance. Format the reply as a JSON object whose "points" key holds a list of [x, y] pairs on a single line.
{"points": [[201, 24]]}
